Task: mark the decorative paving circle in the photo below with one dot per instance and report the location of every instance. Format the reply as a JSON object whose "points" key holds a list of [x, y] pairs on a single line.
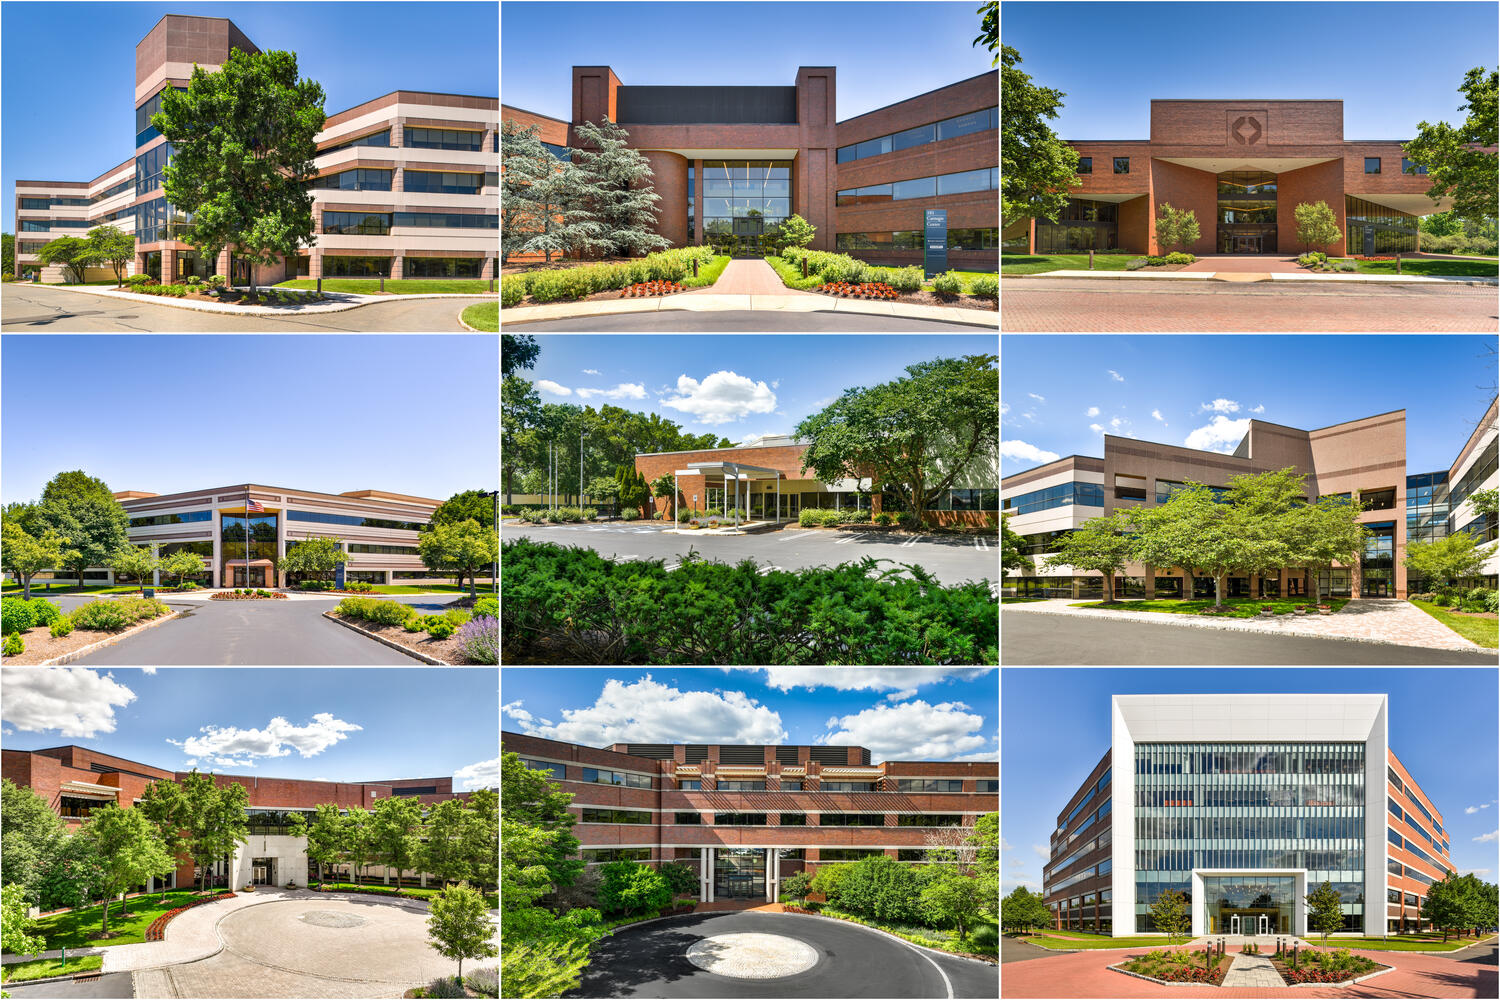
{"points": [[753, 956], [330, 918]]}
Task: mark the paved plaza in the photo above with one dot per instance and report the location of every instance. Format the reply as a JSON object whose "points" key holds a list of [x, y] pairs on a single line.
{"points": [[1089, 305], [951, 558]]}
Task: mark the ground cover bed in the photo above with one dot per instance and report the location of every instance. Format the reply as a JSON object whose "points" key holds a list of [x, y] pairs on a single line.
{"points": [[395, 286], [37, 631], [405, 892], [128, 920], [1482, 629], [571, 605], [455, 636], [982, 941], [45, 968], [1322, 965], [1024, 263], [245, 594], [1180, 966], [538, 284], [483, 316], [1237, 607], [844, 276]]}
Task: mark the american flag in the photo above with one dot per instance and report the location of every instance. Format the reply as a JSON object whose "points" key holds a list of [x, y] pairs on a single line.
{"points": [[254, 507]]}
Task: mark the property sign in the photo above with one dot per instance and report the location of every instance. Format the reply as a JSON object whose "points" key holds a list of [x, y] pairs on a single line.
{"points": [[935, 242], [338, 577]]}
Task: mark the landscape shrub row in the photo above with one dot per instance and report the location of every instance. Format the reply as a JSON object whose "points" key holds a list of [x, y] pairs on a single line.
{"points": [[247, 594], [586, 279], [1457, 243], [477, 630], [1476, 600], [892, 894], [18, 614], [561, 515], [1171, 258], [826, 518], [574, 606]]}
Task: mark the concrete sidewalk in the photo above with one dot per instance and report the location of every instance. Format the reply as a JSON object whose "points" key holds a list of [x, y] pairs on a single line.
{"points": [[748, 277], [341, 301], [1306, 276], [717, 302]]}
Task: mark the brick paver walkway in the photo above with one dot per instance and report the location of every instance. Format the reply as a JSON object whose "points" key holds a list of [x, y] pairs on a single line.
{"points": [[749, 277], [1367, 620], [1085, 974], [1091, 305], [1245, 264], [1252, 970]]}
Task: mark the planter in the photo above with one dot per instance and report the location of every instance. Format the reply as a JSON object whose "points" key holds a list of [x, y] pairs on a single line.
{"points": [[1323, 611]]}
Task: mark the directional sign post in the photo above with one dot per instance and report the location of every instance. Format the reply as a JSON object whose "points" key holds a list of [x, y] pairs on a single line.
{"points": [[935, 242]]}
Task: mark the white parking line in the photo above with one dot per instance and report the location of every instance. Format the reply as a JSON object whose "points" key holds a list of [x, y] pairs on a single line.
{"points": [[765, 570], [910, 541], [788, 538], [983, 543], [676, 565], [846, 540]]}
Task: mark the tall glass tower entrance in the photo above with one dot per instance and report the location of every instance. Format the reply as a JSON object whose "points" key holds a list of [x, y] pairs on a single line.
{"points": [[740, 873], [1247, 212], [1249, 904]]}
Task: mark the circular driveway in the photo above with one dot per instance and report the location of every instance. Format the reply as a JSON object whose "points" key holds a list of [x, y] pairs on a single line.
{"points": [[309, 948], [851, 961]]}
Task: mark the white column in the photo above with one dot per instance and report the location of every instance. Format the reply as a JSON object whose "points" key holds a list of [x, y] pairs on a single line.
{"points": [[778, 497], [773, 873], [218, 566], [156, 573], [710, 871], [702, 874]]}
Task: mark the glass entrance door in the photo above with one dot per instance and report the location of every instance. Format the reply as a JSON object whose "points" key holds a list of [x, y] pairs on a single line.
{"points": [[257, 576], [1247, 244], [740, 873]]}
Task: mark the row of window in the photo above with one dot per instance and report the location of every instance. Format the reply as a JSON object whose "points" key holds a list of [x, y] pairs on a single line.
{"points": [[442, 267], [1482, 469], [43, 204], [383, 550], [422, 138], [785, 819], [1372, 166], [183, 518], [961, 182], [911, 239], [948, 128], [1285, 826], [603, 777], [357, 522], [149, 166], [144, 130], [35, 226], [1062, 495], [1293, 759], [447, 182]]}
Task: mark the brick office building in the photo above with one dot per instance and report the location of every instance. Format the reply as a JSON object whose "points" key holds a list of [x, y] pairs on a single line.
{"points": [[1360, 460], [74, 780], [1244, 803], [732, 161], [1242, 167], [746, 817]]}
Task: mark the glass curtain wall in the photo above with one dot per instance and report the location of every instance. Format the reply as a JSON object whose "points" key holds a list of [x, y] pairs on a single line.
{"points": [[744, 198], [739, 873], [1375, 229], [1247, 212], [1426, 515], [262, 545], [1379, 562], [1249, 806], [1082, 225]]}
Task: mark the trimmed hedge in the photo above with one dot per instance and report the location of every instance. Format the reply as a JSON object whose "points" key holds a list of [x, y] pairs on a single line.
{"points": [[586, 279], [570, 605]]}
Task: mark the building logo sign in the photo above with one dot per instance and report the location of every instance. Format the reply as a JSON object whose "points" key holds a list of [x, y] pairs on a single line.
{"points": [[934, 241], [1246, 130]]}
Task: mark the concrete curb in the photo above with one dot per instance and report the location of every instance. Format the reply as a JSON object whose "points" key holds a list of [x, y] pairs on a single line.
{"points": [[56, 979], [758, 303], [77, 653], [1413, 951], [299, 310], [434, 661], [1248, 276]]}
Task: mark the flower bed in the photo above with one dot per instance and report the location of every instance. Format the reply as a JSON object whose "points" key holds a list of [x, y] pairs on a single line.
{"points": [[862, 290], [249, 595], [158, 928], [1315, 965], [1168, 966], [642, 289]]}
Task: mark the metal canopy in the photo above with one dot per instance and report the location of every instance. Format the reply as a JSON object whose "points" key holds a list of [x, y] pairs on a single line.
{"points": [[729, 470]]}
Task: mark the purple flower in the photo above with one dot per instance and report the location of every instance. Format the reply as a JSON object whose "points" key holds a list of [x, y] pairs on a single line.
{"points": [[479, 640]]}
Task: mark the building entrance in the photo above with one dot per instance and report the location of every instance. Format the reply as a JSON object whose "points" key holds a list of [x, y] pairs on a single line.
{"points": [[739, 873], [263, 871], [257, 577], [1247, 244]]}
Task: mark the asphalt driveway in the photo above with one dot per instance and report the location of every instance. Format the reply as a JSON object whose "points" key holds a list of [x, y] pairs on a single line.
{"points": [[254, 633], [114, 985], [952, 559]]}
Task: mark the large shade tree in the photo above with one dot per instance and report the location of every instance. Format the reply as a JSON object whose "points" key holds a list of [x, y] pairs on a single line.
{"points": [[82, 509], [620, 194], [1037, 168], [1460, 159], [1101, 545]]}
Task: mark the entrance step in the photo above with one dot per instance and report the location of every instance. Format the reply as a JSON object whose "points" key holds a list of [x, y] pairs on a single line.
{"points": [[1231, 276]]}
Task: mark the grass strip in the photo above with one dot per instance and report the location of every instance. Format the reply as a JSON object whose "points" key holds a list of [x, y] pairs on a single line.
{"points": [[707, 275], [398, 286], [791, 276], [1020, 263], [45, 968], [929, 937], [483, 316], [1481, 631], [79, 928], [1446, 268], [1240, 607]]}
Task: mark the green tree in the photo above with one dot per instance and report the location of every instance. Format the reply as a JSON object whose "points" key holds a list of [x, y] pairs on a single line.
{"points": [[542, 199], [134, 561], [1317, 225], [520, 410], [482, 838], [528, 798], [913, 437], [1190, 530], [211, 819], [631, 887], [1444, 905], [459, 925], [29, 830], [1325, 910], [243, 141], [545, 969], [986, 840], [603, 489], [1485, 501], [634, 491], [793, 232], [682, 879], [955, 898], [1176, 228], [797, 886], [445, 851], [396, 833], [989, 27], [1101, 544], [663, 487], [108, 245], [319, 556], [16, 924], [1458, 161], [1454, 558], [130, 852], [1013, 546], [1037, 167], [620, 194], [1322, 533], [180, 564], [70, 875], [67, 251], [80, 508], [1024, 909], [1170, 913], [470, 505], [26, 556], [328, 835], [7, 253], [881, 888], [460, 548], [828, 881], [517, 351]]}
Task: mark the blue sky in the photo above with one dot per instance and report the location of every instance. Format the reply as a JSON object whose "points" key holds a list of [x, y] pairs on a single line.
{"points": [[1210, 51], [332, 724], [747, 386], [1201, 391], [898, 713], [884, 52], [405, 414], [1436, 717], [68, 73]]}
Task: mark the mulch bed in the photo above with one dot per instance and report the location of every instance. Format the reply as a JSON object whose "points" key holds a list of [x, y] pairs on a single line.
{"points": [[962, 301], [1284, 970], [42, 646], [1159, 267], [439, 649]]}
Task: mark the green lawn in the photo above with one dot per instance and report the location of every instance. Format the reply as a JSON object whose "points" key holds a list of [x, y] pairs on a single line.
{"points": [[1478, 630], [1021, 600], [943, 939], [1465, 268], [414, 892], [1020, 263], [38, 590], [77, 928], [431, 588], [400, 286], [1406, 942], [708, 274], [107, 281], [1243, 607], [1048, 941], [483, 316], [42, 968], [791, 276]]}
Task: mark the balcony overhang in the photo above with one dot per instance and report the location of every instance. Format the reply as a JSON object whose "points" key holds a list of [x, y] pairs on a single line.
{"points": [[1272, 164], [87, 790], [1411, 204], [1113, 197]]}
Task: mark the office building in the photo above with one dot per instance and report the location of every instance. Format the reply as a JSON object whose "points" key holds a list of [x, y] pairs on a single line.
{"points": [[407, 183], [732, 161], [1242, 166], [747, 817], [1245, 803]]}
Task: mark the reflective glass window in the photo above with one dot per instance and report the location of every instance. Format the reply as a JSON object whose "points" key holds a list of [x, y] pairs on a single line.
{"points": [[1372, 164], [359, 179], [35, 204], [1122, 164], [442, 182], [438, 138], [964, 181], [360, 223], [1085, 164], [1408, 167], [974, 121], [341, 266], [183, 518], [919, 136], [382, 138], [442, 267], [437, 220], [917, 187]]}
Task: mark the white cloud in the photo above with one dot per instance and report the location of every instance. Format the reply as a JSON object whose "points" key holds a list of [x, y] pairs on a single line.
{"points": [[1039, 399], [1023, 452], [1220, 434], [1004, 409], [901, 695], [865, 678], [549, 386], [591, 371], [1492, 835], [1115, 422], [1042, 851], [1258, 409], [1116, 375], [1093, 411], [148, 670], [484, 774], [912, 730], [1156, 415], [721, 397], [776, 383], [236, 747], [646, 711], [515, 711], [1005, 845], [76, 702], [1018, 862], [1220, 405], [623, 390], [1096, 428], [1030, 415], [1475, 871]]}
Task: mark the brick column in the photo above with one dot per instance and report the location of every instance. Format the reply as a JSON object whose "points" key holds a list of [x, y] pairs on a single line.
{"points": [[487, 270], [398, 179], [168, 265], [221, 266]]}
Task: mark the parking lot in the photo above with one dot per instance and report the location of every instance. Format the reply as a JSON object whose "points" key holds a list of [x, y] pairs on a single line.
{"points": [[952, 559]]}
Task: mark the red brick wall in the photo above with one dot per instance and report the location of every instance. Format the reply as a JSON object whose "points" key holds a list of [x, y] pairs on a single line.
{"points": [[1136, 225], [786, 458], [1283, 123], [1319, 182], [1187, 189], [669, 180]]}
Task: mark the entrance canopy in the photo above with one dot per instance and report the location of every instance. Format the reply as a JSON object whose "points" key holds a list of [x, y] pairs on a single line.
{"points": [[1220, 164], [1249, 901], [727, 471]]}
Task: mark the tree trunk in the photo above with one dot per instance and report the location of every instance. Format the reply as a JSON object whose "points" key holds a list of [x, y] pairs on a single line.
{"points": [[1109, 588], [104, 929], [26, 588], [1219, 589], [1312, 587]]}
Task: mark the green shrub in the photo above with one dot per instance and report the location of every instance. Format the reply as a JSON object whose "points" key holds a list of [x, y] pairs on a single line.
{"points": [[439, 628], [15, 615], [906, 279], [100, 616], [512, 289], [487, 606], [412, 625], [14, 645], [808, 518], [445, 987], [43, 612], [829, 880], [853, 515], [630, 514], [884, 518], [137, 280], [360, 586], [1179, 257], [356, 607], [389, 612], [907, 520], [986, 286], [948, 284], [631, 887], [880, 888], [63, 626], [985, 936], [1136, 264], [217, 280], [1442, 600]]}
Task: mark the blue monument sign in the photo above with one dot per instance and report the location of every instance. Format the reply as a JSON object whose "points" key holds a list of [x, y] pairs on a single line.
{"points": [[935, 242]]}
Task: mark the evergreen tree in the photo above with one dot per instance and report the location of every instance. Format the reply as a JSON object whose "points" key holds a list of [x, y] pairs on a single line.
{"points": [[617, 182], [542, 200]]}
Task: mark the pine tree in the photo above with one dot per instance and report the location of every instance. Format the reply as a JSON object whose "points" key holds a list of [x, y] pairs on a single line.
{"points": [[619, 190], [542, 200]]}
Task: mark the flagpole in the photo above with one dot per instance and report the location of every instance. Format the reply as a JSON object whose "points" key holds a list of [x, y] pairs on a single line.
{"points": [[247, 538]]}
